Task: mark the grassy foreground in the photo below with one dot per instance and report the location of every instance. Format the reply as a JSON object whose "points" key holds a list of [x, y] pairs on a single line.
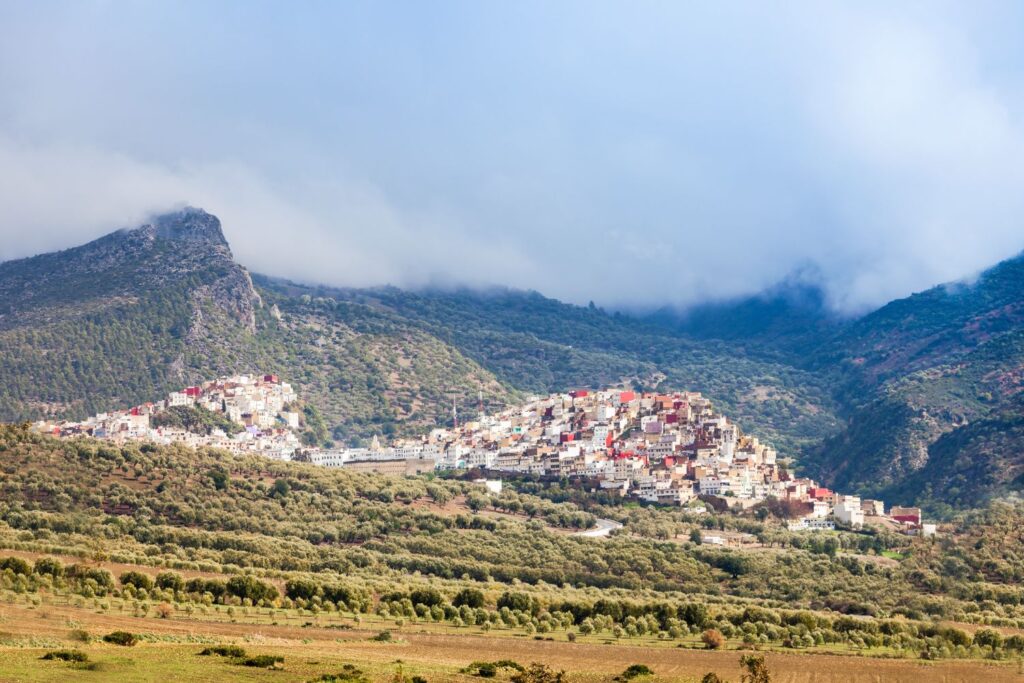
{"points": [[169, 650]]}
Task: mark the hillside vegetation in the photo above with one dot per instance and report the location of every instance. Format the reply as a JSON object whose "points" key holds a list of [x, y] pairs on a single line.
{"points": [[875, 405], [288, 534]]}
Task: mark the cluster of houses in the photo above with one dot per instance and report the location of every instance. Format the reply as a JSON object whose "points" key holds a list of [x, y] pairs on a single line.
{"points": [[256, 404], [663, 448]]}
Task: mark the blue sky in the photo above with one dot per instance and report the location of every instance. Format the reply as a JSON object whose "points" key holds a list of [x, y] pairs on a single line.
{"points": [[634, 154]]}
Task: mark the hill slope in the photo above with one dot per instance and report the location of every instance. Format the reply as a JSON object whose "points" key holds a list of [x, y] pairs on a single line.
{"points": [[874, 404], [135, 314], [923, 375], [138, 313]]}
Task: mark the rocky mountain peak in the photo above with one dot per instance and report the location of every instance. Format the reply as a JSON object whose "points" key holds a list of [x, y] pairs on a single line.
{"points": [[190, 225]]}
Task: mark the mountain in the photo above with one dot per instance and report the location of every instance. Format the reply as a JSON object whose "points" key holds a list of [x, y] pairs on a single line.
{"points": [[788, 317], [536, 344], [138, 313], [927, 387], [931, 387], [141, 312], [918, 401], [122, 318]]}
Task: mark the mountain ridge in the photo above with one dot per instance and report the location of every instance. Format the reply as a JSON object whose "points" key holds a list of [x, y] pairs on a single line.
{"points": [[859, 402]]}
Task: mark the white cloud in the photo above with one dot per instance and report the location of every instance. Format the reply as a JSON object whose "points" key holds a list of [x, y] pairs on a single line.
{"points": [[662, 155]]}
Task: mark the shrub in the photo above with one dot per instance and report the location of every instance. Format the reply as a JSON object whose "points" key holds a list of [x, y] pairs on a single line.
{"points": [[48, 565], [66, 656], [633, 671], [80, 635], [16, 565], [224, 651], [713, 639], [249, 587], [757, 671], [490, 669], [301, 589], [989, 637], [515, 601], [137, 579], [122, 638], [348, 674], [470, 597], [538, 673], [382, 637], [263, 661], [170, 581], [426, 596]]}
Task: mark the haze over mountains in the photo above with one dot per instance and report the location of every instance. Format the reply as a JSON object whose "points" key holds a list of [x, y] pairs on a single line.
{"points": [[917, 401]]}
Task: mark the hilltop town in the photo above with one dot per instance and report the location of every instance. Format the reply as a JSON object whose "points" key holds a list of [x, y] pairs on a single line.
{"points": [[254, 417], [670, 449]]}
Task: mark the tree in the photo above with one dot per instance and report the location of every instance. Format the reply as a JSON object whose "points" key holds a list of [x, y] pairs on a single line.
{"points": [[170, 581], [137, 579], [713, 639], [695, 537], [538, 673], [988, 637], [757, 670], [470, 597]]}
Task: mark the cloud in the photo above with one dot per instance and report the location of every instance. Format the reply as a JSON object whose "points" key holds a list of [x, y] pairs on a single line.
{"points": [[60, 196], [631, 157]]}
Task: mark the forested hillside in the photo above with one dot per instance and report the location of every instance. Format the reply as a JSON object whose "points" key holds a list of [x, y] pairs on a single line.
{"points": [[872, 404], [139, 313], [931, 385], [142, 312], [289, 532]]}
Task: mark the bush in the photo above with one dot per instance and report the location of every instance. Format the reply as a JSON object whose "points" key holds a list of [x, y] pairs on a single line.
{"points": [[757, 671], [16, 565], [713, 639], [80, 635], [633, 671], [48, 565], [224, 651], [122, 638], [66, 656], [490, 669], [170, 581], [539, 673], [263, 661], [249, 587], [348, 674], [137, 579], [470, 597], [382, 637]]}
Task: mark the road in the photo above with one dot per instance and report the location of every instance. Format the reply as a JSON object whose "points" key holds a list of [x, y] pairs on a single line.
{"points": [[603, 528]]}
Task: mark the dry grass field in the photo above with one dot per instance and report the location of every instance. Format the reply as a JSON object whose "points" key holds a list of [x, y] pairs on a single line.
{"points": [[170, 648]]}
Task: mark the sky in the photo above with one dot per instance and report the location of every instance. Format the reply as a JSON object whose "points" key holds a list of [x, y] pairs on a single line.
{"points": [[632, 154]]}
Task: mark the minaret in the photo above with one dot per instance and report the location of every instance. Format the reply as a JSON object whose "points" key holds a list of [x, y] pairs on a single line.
{"points": [[481, 397], [455, 416]]}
